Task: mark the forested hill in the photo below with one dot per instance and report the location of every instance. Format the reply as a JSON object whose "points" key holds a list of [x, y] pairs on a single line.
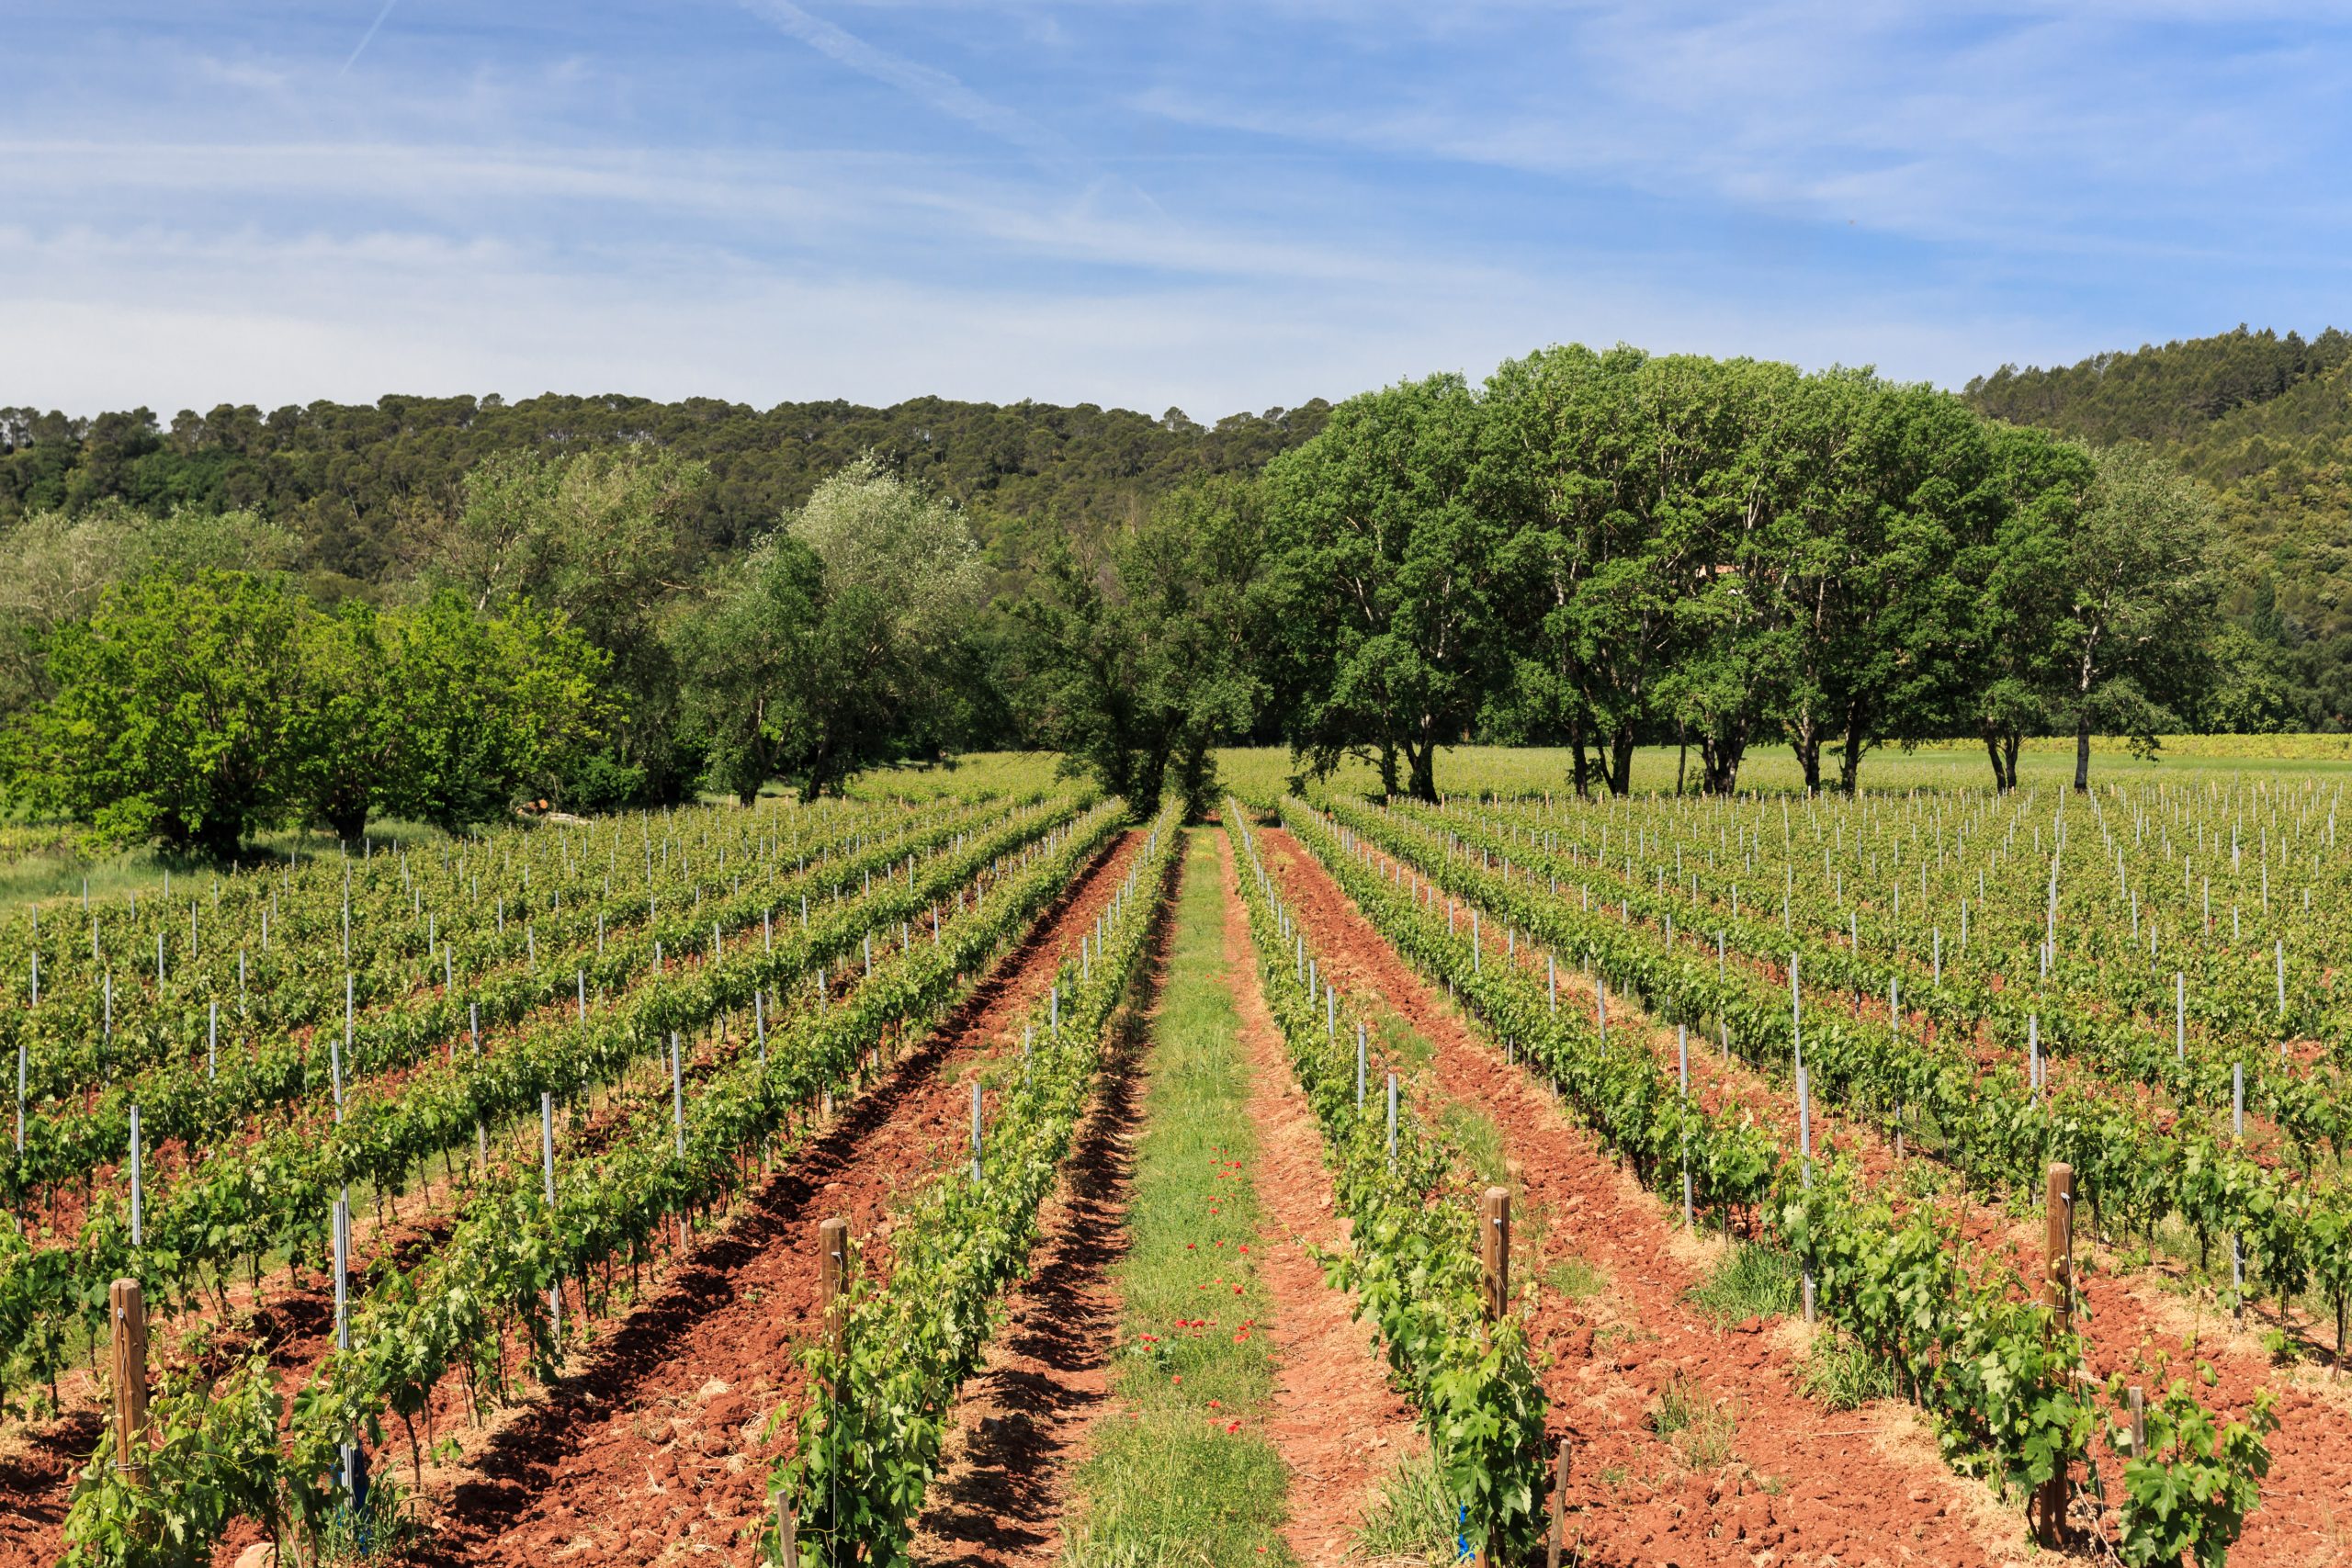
{"points": [[2266, 419], [347, 477]]}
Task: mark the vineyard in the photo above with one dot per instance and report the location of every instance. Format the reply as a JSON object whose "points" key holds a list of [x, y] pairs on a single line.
{"points": [[978, 1170]]}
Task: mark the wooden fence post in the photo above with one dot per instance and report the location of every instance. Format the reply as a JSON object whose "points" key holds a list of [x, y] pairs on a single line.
{"points": [[1493, 1249], [2058, 1295], [832, 1283], [129, 1324], [1559, 1532], [2058, 1272]]}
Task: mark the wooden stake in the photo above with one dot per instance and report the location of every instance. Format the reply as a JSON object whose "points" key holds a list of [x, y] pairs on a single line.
{"points": [[2139, 1422], [788, 1532], [1559, 1509], [130, 1321], [833, 1282], [1493, 1249], [2057, 1294], [2058, 1271]]}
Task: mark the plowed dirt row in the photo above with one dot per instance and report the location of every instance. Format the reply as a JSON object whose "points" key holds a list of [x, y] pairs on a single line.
{"points": [[1789, 1478], [1338, 1424], [2132, 1323], [1020, 1424], [2133, 1319], [653, 1447], [293, 1328], [38, 1463]]}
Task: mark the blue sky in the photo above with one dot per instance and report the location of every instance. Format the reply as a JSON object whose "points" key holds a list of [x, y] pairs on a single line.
{"points": [[1208, 206]]}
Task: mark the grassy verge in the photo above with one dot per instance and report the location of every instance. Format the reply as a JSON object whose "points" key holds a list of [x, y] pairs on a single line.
{"points": [[1180, 1470]]}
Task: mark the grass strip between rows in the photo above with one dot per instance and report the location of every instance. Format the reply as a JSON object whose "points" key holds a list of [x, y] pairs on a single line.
{"points": [[1414, 1259], [869, 1440], [1182, 1470]]}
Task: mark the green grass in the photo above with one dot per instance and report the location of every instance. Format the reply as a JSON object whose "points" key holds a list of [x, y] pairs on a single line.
{"points": [[1409, 1049], [1479, 1141], [1260, 773], [1699, 1429], [1415, 1519], [50, 862], [1167, 1482], [1754, 1282], [1576, 1278], [1843, 1376]]}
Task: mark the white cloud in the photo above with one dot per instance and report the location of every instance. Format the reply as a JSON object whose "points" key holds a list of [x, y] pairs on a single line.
{"points": [[255, 320], [1338, 194]]}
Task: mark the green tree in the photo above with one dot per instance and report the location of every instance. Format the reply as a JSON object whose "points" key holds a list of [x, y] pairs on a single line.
{"points": [[2015, 578], [1392, 636], [441, 714], [2138, 603], [749, 656], [841, 644], [56, 566], [1889, 482], [176, 714], [1138, 662], [602, 536], [906, 585], [1638, 492], [1545, 420]]}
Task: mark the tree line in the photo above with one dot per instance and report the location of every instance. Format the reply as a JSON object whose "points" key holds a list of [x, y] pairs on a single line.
{"points": [[1602, 549], [2262, 419], [1591, 548]]}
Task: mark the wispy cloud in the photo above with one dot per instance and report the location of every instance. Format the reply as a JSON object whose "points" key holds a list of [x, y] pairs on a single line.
{"points": [[1143, 202], [933, 88], [367, 38]]}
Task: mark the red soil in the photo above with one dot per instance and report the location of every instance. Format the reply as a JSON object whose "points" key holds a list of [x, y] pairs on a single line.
{"points": [[294, 1327], [656, 1443], [2305, 1516], [1337, 1422], [1801, 1482], [1021, 1422]]}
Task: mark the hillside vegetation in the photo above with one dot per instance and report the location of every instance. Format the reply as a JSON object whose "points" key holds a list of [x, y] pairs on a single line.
{"points": [[2265, 420], [362, 484]]}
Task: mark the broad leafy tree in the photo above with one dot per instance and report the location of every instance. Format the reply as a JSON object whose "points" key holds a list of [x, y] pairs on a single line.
{"points": [[2015, 575], [602, 536], [749, 655], [1142, 659], [1393, 633], [841, 643], [176, 714], [441, 714], [2138, 602]]}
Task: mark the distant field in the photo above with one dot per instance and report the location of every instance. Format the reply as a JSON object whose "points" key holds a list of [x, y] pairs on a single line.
{"points": [[48, 860], [1259, 771]]}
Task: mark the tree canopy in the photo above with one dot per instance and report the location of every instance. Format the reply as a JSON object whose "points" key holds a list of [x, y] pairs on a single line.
{"points": [[613, 601]]}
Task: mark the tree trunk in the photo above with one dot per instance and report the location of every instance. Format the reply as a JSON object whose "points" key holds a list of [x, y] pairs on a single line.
{"points": [[1850, 764], [1388, 768], [1719, 757], [1581, 777], [1681, 755], [2009, 744], [1992, 749], [1423, 761], [221, 836], [2083, 753], [1621, 761]]}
